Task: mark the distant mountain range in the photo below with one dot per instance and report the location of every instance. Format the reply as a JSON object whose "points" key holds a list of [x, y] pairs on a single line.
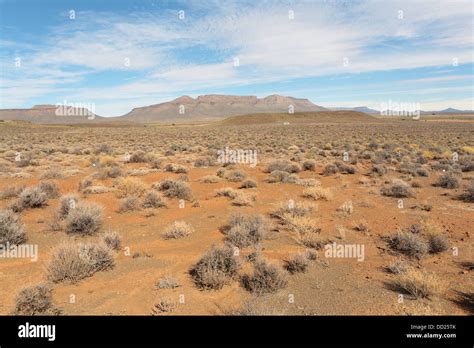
{"points": [[367, 110], [185, 109]]}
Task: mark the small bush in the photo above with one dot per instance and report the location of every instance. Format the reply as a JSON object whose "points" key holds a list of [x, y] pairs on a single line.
{"points": [[153, 200], [175, 189], [297, 264], [235, 176], [398, 188], [309, 165], [362, 226], [35, 300], [248, 184], [137, 157], [167, 282], [277, 176], [85, 218], [178, 229], [130, 187], [210, 179], [112, 240], [165, 305], [409, 243], [73, 262], [50, 189], [318, 193], [11, 230], [438, 243], [291, 209], [127, 204], [176, 168], [32, 197], [284, 166], [418, 283], [217, 267], [66, 203], [244, 231], [379, 169], [11, 192], [468, 195], [449, 181], [346, 208], [266, 278]]}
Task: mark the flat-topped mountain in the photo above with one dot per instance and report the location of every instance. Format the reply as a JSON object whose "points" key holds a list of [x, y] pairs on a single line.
{"points": [[213, 107]]}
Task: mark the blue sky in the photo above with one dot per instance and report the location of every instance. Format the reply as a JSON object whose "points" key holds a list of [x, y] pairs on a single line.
{"points": [[123, 54]]}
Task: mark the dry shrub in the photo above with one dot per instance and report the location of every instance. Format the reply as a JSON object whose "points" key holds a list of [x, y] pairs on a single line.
{"points": [[283, 165], [266, 278], [175, 189], [309, 165], [397, 267], [11, 192], [130, 187], [419, 284], [228, 192], [127, 204], [248, 184], [362, 226], [153, 199], [244, 231], [51, 189], [73, 262], [297, 264], [409, 243], [85, 218], [32, 197], [398, 188], [468, 195], [448, 180], [11, 230], [313, 241], [165, 305], [112, 240], [217, 267], [35, 300], [176, 168], [210, 179], [277, 176], [66, 203], [346, 208], [243, 199], [167, 282], [291, 209], [300, 224], [318, 193], [178, 229], [235, 176]]}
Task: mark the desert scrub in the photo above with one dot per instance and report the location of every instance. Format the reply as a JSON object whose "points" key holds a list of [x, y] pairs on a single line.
{"points": [[448, 180], [11, 192], [292, 209], [167, 282], [11, 230], [235, 176], [178, 229], [84, 219], [153, 199], [174, 189], [398, 266], [72, 262], [361, 226], [243, 231], [218, 266], [282, 165], [418, 283], [346, 208], [309, 165], [410, 244], [127, 204], [318, 193], [164, 305], [130, 187], [297, 264], [176, 168], [66, 204], [32, 197], [35, 300], [51, 189], [210, 179], [112, 240], [266, 278], [249, 183], [397, 188]]}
